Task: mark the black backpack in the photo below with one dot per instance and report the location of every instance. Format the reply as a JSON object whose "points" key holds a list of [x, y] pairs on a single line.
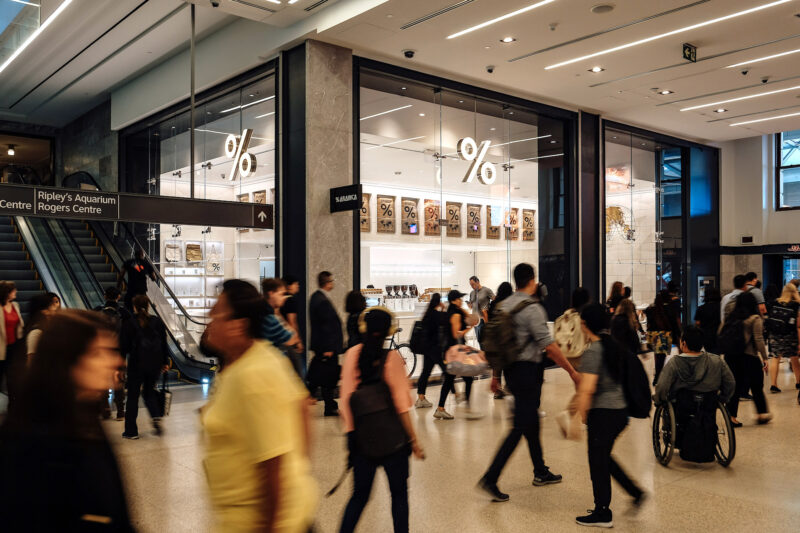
{"points": [[499, 337], [697, 436], [417, 340], [635, 385], [377, 429], [782, 320], [148, 348], [730, 340]]}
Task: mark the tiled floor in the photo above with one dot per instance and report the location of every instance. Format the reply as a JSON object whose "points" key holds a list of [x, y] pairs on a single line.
{"points": [[759, 492]]}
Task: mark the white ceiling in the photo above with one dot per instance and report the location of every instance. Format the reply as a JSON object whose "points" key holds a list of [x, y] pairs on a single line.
{"points": [[624, 90]]}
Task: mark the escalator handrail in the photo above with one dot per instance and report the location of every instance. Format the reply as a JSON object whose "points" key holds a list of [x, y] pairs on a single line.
{"points": [[62, 256], [132, 236], [82, 259]]}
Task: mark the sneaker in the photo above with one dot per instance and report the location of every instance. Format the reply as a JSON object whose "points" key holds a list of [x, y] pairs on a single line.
{"points": [[158, 431], [500, 394], [562, 419], [461, 397], [746, 398], [441, 414], [764, 419], [638, 503], [120, 416], [492, 490], [130, 436], [422, 403], [596, 518], [546, 478], [774, 390], [472, 415]]}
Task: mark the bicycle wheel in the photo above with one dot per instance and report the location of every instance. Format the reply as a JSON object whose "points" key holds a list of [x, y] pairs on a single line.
{"points": [[726, 438], [664, 433], [409, 357]]}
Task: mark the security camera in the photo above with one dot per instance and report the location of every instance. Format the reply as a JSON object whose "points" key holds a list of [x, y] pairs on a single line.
{"points": [[214, 3], [765, 79], [409, 54], [490, 69], [745, 72]]}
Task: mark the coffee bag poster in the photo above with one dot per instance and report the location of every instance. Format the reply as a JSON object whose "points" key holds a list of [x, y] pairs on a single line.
{"points": [[409, 217], [364, 213], [453, 219], [433, 215], [492, 231], [529, 224], [473, 221], [512, 231], [386, 214]]}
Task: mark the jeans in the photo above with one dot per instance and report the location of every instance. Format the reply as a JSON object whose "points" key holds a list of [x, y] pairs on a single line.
{"points": [[524, 380], [479, 330], [749, 375], [396, 468], [604, 426], [430, 360], [146, 383]]}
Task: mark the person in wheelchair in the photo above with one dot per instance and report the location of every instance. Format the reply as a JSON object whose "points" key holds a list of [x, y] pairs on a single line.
{"points": [[695, 381]]}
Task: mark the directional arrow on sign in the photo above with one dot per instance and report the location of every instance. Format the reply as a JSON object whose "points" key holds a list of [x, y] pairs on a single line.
{"points": [[262, 216]]}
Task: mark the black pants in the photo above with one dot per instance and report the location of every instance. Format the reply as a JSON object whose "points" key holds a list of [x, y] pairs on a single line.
{"points": [[324, 373], [749, 375], [146, 383], [660, 357], [449, 385], [524, 380], [396, 468], [14, 368], [604, 426], [129, 296], [430, 360]]}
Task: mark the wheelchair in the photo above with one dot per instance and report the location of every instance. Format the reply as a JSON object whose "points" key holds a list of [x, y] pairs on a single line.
{"points": [[673, 419]]}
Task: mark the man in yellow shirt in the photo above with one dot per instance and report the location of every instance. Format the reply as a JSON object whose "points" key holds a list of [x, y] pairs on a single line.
{"points": [[255, 425]]}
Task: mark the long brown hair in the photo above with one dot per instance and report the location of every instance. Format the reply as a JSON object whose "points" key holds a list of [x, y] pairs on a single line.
{"points": [[628, 309], [617, 289], [141, 304]]}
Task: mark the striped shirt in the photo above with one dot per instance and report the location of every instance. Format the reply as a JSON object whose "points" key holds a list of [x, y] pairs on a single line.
{"points": [[273, 331]]}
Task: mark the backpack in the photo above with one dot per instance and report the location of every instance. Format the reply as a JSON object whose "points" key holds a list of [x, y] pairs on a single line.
{"points": [[697, 436], [147, 348], [730, 340], [113, 313], [500, 337], [782, 320], [417, 340], [569, 336], [377, 430], [635, 385]]}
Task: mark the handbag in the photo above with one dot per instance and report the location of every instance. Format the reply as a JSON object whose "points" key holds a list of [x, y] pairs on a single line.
{"points": [[165, 396], [172, 252], [465, 361], [194, 253]]}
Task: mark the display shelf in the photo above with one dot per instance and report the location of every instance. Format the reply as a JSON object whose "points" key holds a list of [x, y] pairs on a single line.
{"points": [[193, 276]]}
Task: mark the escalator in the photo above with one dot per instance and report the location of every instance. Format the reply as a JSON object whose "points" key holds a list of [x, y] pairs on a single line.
{"points": [[99, 262], [16, 265]]}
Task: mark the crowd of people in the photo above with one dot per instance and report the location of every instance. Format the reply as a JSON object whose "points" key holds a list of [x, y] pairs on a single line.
{"points": [[256, 424]]}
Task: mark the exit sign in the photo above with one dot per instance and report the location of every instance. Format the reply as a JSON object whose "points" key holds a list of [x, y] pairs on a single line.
{"points": [[690, 52]]}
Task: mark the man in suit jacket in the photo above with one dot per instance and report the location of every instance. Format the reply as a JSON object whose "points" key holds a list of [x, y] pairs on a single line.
{"points": [[327, 341]]}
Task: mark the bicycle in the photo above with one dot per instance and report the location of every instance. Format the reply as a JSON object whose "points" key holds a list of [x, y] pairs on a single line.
{"points": [[404, 349]]}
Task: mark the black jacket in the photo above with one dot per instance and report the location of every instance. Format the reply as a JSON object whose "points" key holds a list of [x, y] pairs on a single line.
{"points": [[353, 335], [326, 326], [148, 346], [624, 334]]}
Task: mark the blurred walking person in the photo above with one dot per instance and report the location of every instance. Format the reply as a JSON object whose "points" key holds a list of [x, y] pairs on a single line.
{"points": [[660, 326], [255, 426], [615, 296], [572, 340], [147, 359], [707, 318], [433, 322], [783, 325], [368, 364], [354, 305], [504, 290], [479, 300], [274, 328], [137, 270], [455, 331], [327, 342], [42, 307], [12, 331], [57, 470], [119, 317], [625, 326]]}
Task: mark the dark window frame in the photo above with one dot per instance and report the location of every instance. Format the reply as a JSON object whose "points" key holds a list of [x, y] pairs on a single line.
{"points": [[778, 169]]}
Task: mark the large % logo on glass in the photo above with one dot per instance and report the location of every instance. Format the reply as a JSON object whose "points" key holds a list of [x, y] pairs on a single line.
{"points": [[244, 163], [468, 150]]}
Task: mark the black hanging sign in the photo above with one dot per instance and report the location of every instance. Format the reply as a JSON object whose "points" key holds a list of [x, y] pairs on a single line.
{"points": [[346, 198]]}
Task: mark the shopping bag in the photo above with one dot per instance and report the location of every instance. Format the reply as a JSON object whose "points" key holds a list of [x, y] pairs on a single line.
{"points": [[165, 396]]}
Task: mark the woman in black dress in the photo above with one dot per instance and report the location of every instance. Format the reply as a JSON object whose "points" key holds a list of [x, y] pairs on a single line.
{"points": [[456, 329], [433, 322]]}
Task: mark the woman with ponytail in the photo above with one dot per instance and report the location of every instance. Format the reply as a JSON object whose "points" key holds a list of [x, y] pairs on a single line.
{"points": [[147, 358], [601, 404], [368, 362]]}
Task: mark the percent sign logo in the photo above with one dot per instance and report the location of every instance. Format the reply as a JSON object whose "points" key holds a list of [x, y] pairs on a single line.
{"points": [[243, 162], [468, 150]]}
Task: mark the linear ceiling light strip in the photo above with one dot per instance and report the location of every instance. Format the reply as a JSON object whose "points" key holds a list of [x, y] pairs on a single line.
{"points": [[501, 18], [396, 142], [386, 112], [766, 119], [60, 9], [766, 58], [315, 5], [670, 33], [739, 99], [609, 30], [745, 115], [256, 6], [435, 14]]}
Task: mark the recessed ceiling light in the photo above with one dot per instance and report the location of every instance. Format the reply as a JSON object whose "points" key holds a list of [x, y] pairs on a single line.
{"points": [[596, 69], [510, 112], [461, 101], [508, 39], [553, 142], [669, 33], [11, 149], [402, 88], [492, 129], [765, 119], [500, 18], [487, 47], [385, 112], [739, 99], [720, 110], [765, 58], [601, 9], [422, 114], [665, 92], [614, 137]]}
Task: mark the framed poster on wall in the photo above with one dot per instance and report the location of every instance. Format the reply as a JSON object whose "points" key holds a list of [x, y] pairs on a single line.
{"points": [[243, 198], [529, 224], [433, 214], [492, 229], [512, 230], [386, 216], [473, 221], [260, 197], [453, 219], [363, 216], [409, 216]]}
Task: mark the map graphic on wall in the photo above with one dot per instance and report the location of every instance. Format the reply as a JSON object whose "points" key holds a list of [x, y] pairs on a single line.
{"points": [[433, 213], [409, 217], [473, 221], [512, 231], [386, 218], [492, 231], [453, 219], [619, 223], [529, 224], [364, 214]]}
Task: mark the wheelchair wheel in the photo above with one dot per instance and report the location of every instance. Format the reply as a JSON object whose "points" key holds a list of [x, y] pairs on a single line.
{"points": [[726, 438], [664, 433], [409, 357]]}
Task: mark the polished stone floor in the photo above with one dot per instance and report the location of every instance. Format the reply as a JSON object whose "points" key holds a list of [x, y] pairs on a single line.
{"points": [[759, 492]]}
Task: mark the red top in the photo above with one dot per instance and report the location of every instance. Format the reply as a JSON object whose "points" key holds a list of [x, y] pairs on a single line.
{"points": [[12, 321]]}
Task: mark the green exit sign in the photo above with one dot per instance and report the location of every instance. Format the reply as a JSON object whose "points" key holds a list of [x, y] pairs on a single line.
{"points": [[690, 52]]}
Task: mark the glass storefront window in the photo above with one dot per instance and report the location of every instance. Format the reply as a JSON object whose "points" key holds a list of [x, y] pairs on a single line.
{"points": [[430, 218], [789, 168]]}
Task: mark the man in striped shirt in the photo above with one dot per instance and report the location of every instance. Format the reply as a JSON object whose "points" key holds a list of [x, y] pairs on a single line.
{"points": [[273, 328]]}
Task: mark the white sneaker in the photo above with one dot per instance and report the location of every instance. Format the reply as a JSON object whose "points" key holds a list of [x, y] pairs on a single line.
{"points": [[441, 414], [472, 415], [422, 403], [461, 397], [562, 419]]}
